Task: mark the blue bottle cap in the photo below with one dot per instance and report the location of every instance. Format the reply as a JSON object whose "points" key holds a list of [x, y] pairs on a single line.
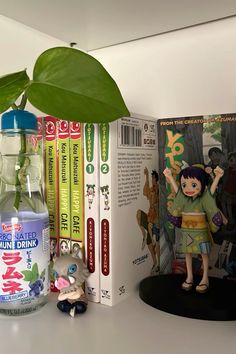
{"points": [[18, 120]]}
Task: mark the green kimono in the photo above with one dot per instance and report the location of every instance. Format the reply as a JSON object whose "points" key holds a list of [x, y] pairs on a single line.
{"points": [[197, 218]]}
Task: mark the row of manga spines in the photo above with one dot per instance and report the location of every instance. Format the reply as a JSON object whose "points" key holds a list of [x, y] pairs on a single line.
{"points": [[87, 166], [69, 190], [60, 144], [118, 249]]}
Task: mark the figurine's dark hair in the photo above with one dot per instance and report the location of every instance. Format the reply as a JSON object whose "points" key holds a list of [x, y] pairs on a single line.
{"points": [[196, 172], [155, 174], [214, 149]]}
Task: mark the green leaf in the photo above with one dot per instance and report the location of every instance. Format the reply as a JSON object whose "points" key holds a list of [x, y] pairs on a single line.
{"points": [[72, 85], [35, 272], [28, 275], [11, 87]]}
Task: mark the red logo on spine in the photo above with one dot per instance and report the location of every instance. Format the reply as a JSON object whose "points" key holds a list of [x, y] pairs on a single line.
{"points": [[63, 129], [91, 245], [10, 228], [50, 128], [105, 247], [75, 130]]}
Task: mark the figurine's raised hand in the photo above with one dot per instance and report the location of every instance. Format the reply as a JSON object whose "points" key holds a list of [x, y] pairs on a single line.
{"points": [[218, 172], [169, 177], [146, 171], [167, 173]]}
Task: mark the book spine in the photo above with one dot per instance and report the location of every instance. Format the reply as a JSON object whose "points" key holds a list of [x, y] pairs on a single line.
{"points": [[41, 150], [77, 186], [64, 186], [51, 185], [92, 210], [129, 206], [105, 215]]}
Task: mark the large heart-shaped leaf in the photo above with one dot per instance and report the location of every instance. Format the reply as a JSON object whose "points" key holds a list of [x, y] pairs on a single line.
{"points": [[11, 87], [72, 85]]}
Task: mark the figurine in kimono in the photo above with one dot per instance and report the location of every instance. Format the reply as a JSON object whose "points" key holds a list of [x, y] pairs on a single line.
{"points": [[194, 210]]}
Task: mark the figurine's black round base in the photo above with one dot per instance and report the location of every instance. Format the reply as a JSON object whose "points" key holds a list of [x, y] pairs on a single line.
{"points": [[164, 293]]}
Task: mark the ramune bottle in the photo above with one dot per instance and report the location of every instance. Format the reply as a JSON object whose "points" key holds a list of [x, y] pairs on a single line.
{"points": [[24, 230]]}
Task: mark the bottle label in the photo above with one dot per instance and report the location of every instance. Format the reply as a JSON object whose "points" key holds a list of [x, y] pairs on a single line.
{"points": [[24, 259]]}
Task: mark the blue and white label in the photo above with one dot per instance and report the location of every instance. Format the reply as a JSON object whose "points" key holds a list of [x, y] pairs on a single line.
{"points": [[24, 257]]}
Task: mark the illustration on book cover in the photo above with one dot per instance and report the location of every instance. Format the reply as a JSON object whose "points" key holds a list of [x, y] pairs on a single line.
{"points": [[105, 194], [90, 194], [148, 221]]}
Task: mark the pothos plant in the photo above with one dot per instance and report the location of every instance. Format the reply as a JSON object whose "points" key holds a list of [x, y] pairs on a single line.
{"points": [[68, 84]]}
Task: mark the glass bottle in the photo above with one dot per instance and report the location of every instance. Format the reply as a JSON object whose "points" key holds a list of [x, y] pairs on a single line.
{"points": [[24, 227]]}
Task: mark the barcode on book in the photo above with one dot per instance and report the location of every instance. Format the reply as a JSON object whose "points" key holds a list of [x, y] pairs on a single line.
{"points": [[131, 136]]}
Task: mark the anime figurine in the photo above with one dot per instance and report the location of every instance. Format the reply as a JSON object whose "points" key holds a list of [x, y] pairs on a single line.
{"points": [[148, 222], [69, 273], [194, 210]]}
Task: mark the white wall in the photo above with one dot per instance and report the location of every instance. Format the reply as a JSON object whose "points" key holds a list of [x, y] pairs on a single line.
{"points": [[187, 72], [20, 47]]}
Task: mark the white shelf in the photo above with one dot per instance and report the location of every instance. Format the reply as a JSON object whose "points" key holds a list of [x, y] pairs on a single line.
{"points": [[131, 327], [95, 24]]}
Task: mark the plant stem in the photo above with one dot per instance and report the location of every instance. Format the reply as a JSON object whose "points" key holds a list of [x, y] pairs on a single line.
{"points": [[14, 106], [21, 161], [23, 102]]}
